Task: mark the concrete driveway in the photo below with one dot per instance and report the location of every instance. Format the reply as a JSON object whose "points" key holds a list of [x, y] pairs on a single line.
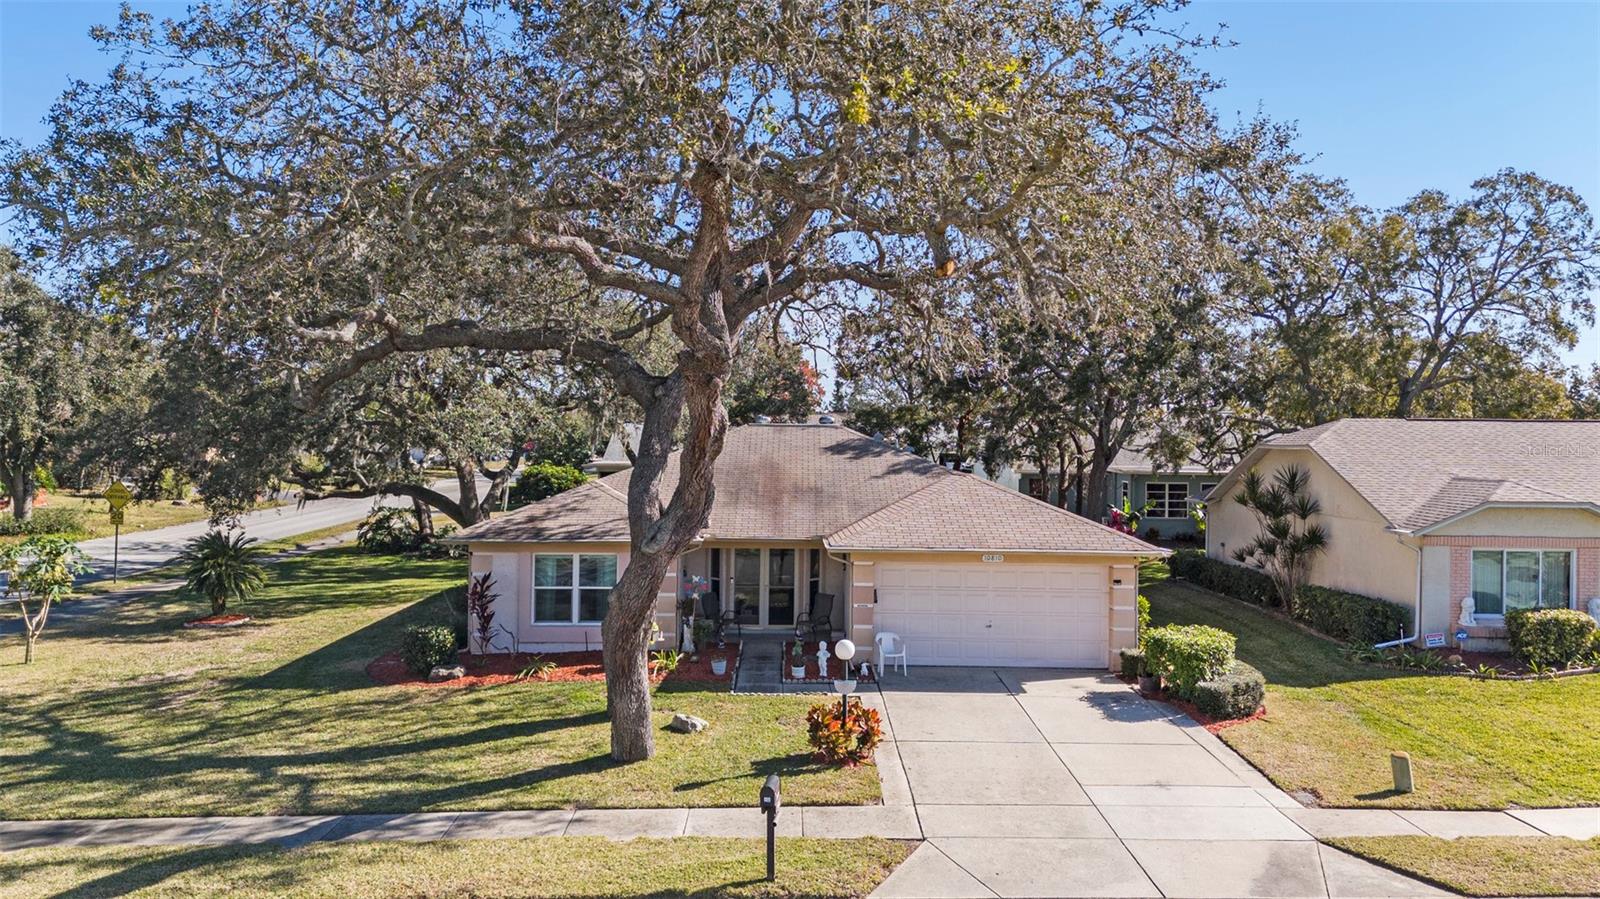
{"points": [[1059, 783]]}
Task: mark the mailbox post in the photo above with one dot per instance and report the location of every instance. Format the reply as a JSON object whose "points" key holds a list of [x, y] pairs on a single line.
{"points": [[771, 799]]}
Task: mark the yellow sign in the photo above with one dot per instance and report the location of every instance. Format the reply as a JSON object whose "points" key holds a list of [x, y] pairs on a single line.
{"points": [[118, 496], [116, 516]]}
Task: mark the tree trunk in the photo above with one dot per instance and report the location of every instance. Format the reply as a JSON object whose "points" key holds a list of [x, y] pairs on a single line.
{"points": [[1079, 463], [660, 532], [1061, 475], [22, 487], [467, 480], [27, 654], [1096, 485], [219, 604], [424, 514]]}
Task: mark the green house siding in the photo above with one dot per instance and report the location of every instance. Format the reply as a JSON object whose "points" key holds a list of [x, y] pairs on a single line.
{"points": [[1173, 495], [1138, 491]]}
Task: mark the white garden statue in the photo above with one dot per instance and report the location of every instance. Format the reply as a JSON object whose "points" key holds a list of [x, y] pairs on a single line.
{"points": [[1468, 611], [1594, 609]]}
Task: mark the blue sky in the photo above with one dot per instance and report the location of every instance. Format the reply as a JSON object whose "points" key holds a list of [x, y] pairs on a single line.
{"points": [[1392, 97]]}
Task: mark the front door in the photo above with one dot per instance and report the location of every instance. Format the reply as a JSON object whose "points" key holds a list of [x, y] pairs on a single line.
{"points": [[764, 582]]}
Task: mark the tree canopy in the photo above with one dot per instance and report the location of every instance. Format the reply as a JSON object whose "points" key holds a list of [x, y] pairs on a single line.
{"points": [[314, 189]]}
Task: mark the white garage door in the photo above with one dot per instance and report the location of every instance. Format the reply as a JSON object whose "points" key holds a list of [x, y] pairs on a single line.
{"points": [[998, 613]]}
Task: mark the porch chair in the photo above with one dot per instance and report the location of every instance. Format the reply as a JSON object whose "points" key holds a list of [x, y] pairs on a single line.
{"points": [[816, 623], [711, 609], [890, 647]]}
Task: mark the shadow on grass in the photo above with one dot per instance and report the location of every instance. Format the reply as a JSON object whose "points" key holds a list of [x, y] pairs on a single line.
{"points": [[783, 766]]}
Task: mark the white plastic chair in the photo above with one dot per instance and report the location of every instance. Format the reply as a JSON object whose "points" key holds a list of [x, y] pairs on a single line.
{"points": [[890, 647]]}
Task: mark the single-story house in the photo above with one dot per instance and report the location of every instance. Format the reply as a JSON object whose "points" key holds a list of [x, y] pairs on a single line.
{"points": [[1138, 477], [967, 572], [1426, 512]]}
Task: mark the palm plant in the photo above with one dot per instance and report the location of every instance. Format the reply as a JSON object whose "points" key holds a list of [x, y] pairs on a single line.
{"points": [[1289, 540], [223, 567]]}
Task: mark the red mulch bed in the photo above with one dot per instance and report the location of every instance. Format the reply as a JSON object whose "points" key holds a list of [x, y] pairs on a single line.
{"points": [[218, 621], [505, 668], [813, 672]]}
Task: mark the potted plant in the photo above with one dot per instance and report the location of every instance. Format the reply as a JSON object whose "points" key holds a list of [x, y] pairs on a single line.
{"points": [[797, 660], [719, 665], [1149, 681]]}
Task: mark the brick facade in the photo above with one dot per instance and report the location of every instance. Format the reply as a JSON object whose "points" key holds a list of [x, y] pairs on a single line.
{"points": [[1586, 586]]}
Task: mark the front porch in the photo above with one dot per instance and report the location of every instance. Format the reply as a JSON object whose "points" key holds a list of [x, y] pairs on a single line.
{"points": [[757, 590]]}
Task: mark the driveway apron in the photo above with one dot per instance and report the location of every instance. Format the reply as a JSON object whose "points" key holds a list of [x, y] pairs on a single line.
{"points": [[1044, 782]]}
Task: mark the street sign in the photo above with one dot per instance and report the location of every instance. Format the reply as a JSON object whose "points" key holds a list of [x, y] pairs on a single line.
{"points": [[117, 516], [118, 495]]}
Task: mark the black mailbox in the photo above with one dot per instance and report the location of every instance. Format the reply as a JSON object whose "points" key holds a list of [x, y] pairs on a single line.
{"points": [[771, 800]]}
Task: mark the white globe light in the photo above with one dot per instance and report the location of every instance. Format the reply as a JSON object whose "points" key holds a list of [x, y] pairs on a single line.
{"points": [[845, 650]]}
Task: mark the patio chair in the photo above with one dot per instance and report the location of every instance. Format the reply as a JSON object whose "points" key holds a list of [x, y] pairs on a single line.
{"points": [[711, 608], [890, 647], [816, 623]]}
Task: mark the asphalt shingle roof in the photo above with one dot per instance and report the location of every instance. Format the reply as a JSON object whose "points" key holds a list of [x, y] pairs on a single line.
{"points": [[811, 482], [1419, 472]]}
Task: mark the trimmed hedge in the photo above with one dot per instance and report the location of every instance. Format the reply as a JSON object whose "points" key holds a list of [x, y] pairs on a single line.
{"points": [[1550, 638], [1132, 659], [1186, 654], [1237, 581], [1351, 617], [1347, 617], [1144, 618], [428, 646], [1236, 694]]}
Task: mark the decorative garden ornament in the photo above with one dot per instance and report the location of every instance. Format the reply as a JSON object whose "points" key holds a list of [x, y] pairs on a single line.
{"points": [[1468, 611]]}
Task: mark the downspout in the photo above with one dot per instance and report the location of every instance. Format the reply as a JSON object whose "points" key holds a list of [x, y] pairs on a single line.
{"points": [[1416, 609]]}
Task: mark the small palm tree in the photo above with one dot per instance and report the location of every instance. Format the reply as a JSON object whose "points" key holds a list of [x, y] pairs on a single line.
{"points": [[223, 567], [1289, 539]]}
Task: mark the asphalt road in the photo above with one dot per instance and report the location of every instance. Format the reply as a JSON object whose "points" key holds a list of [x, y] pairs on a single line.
{"points": [[152, 549]]}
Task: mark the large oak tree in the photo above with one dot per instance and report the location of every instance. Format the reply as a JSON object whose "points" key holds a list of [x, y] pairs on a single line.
{"points": [[315, 188]]}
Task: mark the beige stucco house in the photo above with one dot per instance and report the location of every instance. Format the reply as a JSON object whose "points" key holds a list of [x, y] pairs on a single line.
{"points": [[1426, 512], [967, 572]]}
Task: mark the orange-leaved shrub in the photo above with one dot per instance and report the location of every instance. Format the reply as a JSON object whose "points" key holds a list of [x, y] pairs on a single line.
{"points": [[841, 739]]}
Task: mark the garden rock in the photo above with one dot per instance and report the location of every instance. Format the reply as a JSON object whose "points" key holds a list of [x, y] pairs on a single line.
{"points": [[687, 724], [443, 673]]}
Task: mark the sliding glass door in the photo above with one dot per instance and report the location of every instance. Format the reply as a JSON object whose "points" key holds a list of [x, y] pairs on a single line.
{"points": [[747, 586], [764, 586], [780, 586]]}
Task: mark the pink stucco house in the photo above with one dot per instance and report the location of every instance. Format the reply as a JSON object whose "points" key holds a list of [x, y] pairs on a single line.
{"points": [[815, 520], [1426, 512]]}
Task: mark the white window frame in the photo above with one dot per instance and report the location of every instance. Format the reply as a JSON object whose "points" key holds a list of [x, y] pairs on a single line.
{"points": [[1572, 576], [1165, 504], [575, 588], [1205, 491]]}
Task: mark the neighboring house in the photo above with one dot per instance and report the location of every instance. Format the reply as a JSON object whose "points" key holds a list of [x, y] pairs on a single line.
{"points": [[1140, 479], [969, 573], [1425, 512]]}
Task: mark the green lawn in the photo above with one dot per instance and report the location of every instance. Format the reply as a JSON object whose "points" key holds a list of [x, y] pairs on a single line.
{"points": [[1331, 724], [548, 866], [131, 715], [1490, 866], [141, 516]]}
